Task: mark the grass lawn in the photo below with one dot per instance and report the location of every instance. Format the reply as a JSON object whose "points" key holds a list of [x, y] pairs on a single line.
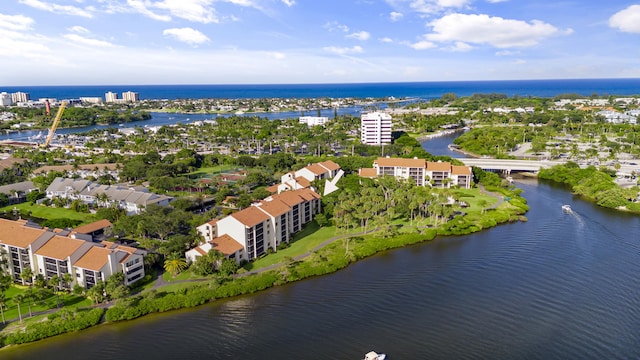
{"points": [[185, 275], [11, 310], [307, 239], [208, 172], [46, 212]]}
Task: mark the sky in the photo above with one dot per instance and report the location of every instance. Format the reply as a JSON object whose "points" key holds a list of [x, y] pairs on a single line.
{"points": [[131, 42]]}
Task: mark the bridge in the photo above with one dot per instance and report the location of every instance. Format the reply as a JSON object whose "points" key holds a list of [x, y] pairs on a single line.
{"points": [[509, 165]]}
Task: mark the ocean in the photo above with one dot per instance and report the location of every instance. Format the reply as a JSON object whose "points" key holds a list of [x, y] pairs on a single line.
{"points": [[422, 90]]}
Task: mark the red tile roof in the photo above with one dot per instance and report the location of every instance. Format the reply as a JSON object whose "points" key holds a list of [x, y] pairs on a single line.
{"points": [[438, 166], [250, 216], [460, 170], [330, 165], [94, 226], [226, 245], [60, 247], [368, 172]]}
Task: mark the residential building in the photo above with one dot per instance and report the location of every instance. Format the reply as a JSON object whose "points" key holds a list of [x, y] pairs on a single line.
{"points": [[83, 171], [5, 99], [91, 100], [17, 193], [435, 174], [302, 178], [249, 233], [375, 128], [57, 253], [111, 97], [130, 96], [20, 97], [128, 198], [313, 120]]}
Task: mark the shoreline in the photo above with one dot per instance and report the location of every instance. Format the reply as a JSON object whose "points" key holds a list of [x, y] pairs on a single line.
{"points": [[202, 291]]}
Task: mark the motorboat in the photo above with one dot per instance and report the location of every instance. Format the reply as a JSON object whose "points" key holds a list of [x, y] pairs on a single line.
{"points": [[566, 209], [372, 355]]}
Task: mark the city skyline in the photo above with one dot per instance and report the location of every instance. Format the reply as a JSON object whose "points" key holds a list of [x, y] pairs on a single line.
{"points": [[108, 42]]}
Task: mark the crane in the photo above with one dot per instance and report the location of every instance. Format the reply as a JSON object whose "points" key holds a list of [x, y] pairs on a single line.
{"points": [[55, 123]]}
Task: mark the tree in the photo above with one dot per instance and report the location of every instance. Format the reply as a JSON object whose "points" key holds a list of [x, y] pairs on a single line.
{"points": [[18, 299], [3, 303], [67, 279], [175, 264], [27, 276]]}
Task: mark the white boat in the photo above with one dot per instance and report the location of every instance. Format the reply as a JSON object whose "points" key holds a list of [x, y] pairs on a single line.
{"points": [[566, 209], [372, 355]]}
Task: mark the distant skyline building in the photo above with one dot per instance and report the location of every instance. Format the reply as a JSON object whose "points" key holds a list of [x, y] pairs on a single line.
{"points": [[111, 97], [20, 97], [313, 120], [91, 100], [130, 96], [5, 99], [375, 128]]}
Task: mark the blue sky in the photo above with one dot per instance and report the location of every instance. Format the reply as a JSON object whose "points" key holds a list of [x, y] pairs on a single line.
{"points": [[95, 42]]}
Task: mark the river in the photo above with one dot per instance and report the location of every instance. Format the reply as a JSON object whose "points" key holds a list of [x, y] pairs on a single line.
{"points": [[559, 286]]}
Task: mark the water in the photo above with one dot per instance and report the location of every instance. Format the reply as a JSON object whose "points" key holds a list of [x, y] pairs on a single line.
{"points": [[560, 286], [425, 90], [162, 119]]}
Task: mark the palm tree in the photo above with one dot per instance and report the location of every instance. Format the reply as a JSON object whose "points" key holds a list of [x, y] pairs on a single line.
{"points": [[18, 299], [3, 303], [66, 280], [175, 264], [27, 276]]}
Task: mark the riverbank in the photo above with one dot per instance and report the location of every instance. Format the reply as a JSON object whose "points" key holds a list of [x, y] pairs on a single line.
{"points": [[332, 256]]}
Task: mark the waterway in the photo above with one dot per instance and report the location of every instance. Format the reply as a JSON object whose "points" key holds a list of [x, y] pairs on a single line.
{"points": [[163, 119], [559, 286]]}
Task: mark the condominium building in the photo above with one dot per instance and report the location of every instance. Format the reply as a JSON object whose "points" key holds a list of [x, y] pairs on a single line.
{"points": [[5, 99], [249, 233], [303, 178], [435, 174], [19, 96], [111, 97], [375, 128], [130, 96], [56, 253], [314, 120]]}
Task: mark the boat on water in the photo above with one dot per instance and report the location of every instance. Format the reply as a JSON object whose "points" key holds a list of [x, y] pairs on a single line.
{"points": [[372, 355], [566, 209]]}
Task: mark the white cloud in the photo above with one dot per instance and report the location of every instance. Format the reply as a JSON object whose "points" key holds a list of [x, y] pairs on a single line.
{"points": [[87, 41], [141, 7], [335, 26], [496, 1], [57, 8], [386, 40], [495, 31], [428, 6], [187, 35], [192, 10], [460, 46], [344, 50], [78, 30], [289, 3], [627, 20], [277, 55], [15, 22], [359, 35], [422, 45], [395, 16], [506, 53]]}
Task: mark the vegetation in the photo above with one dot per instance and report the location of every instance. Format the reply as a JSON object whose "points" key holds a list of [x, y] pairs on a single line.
{"points": [[594, 184]]}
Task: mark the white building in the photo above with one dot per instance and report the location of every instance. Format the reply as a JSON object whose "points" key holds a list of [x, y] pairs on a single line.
{"points": [[49, 253], [130, 96], [20, 97], [314, 120], [111, 97], [302, 178], [375, 128], [423, 173], [5, 99], [249, 233], [91, 100]]}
